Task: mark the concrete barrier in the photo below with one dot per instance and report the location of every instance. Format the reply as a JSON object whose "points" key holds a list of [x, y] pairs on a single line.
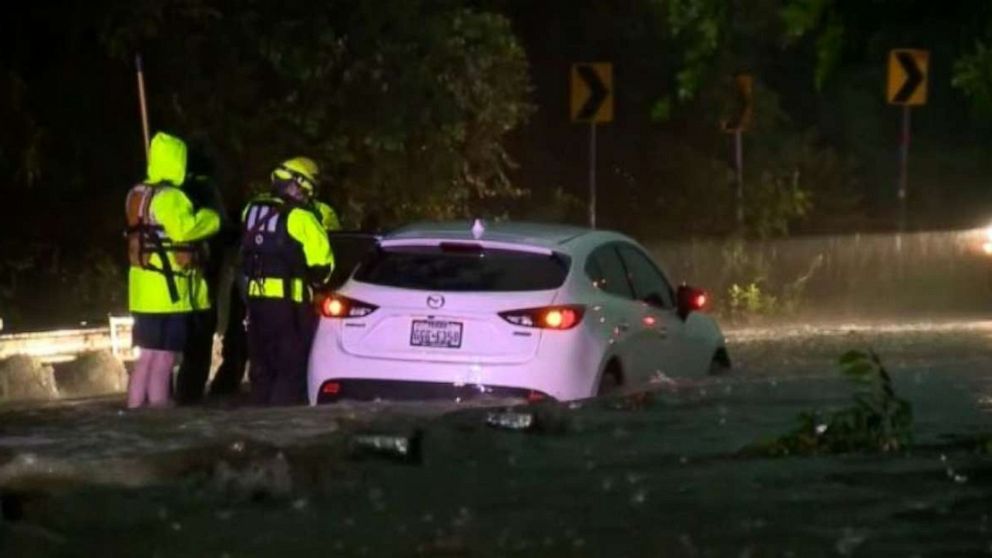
{"points": [[66, 344]]}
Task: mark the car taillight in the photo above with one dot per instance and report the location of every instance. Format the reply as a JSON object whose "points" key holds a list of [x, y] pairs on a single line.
{"points": [[337, 306], [536, 397], [548, 317], [690, 299]]}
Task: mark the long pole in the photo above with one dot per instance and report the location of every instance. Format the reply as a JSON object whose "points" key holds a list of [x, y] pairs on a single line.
{"points": [[142, 102], [739, 169], [904, 166], [592, 175]]}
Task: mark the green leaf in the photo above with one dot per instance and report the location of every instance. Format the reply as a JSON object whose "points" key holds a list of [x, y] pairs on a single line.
{"points": [[828, 51], [851, 357], [661, 111], [858, 369], [802, 16]]}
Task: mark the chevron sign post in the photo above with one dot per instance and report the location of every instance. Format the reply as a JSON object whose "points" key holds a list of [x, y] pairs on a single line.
{"points": [[592, 92], [906, 86], [592, 102], [907, 81]]}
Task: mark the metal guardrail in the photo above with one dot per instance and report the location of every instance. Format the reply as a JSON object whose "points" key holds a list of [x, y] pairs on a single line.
{"points": [[919, 274], [66, 344]]}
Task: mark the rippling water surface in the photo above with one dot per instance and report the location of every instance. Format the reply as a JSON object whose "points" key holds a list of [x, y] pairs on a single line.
{"points": [[636, 476]]}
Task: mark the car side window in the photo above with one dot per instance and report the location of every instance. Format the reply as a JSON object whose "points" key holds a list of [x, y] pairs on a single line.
{"points": [[606, 271], [650, 285]]}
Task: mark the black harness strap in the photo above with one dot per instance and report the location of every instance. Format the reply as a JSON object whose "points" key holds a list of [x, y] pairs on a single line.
{"points": [[279, 210], [159, 247]]}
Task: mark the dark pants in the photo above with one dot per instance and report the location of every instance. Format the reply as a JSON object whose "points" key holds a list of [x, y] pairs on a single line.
{"points": [[162, 332], [280, 334], [197, 356], [234, 352]]}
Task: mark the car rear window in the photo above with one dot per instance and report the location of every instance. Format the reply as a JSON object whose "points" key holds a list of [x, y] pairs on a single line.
{"points": [[463, 268]]}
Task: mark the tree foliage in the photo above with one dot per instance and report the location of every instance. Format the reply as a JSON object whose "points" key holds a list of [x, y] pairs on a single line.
{"points": [[699, 27], [405, 102], [444, 108], [680, 104], [21, 144], [973, 75]]}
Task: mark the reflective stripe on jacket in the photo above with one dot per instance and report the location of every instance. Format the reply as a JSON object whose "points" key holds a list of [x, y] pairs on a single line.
{"points": [[280, 243], [272, 287]]}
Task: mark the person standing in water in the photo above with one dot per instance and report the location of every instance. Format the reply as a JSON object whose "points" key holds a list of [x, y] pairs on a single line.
{"points": [[166, 282]]}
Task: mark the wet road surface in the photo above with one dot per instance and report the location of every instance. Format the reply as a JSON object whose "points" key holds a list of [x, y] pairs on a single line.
{"points": [[634, 476]]}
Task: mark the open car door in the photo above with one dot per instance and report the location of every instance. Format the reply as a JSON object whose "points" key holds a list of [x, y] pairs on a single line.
{"points": [[350, 248]]}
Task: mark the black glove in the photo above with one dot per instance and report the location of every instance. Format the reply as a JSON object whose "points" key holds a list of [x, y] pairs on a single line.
{"points": [[318, 275]]}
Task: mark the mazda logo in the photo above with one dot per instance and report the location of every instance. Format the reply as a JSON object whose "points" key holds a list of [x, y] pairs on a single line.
{"points": [[435, 301]]}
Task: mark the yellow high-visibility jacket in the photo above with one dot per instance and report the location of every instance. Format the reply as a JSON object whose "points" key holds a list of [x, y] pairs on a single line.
{"points": [[328, 217], [162, 222], [148, 286], [268, 270]]}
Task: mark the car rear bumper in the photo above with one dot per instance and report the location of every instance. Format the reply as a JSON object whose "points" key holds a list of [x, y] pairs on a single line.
{"points": [[565, 368], [370, 378], [357, 389]]}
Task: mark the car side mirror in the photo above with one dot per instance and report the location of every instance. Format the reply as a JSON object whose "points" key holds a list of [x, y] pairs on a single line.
{"points": [[690, 299]]}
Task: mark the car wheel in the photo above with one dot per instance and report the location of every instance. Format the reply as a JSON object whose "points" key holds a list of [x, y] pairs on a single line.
{"points": [[611, 380], [720, 363]]}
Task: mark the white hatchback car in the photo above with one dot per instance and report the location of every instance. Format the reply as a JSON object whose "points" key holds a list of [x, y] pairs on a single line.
{"points": [[508, 310]]}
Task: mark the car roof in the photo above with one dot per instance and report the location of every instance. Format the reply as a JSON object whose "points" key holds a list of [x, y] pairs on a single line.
{"points": [[547, 235]]}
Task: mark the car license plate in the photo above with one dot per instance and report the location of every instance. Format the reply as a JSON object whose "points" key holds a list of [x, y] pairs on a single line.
{"points": [[436, 333]]}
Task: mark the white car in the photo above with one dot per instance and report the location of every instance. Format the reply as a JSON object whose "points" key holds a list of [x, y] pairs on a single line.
{"points": [[507, 310]]}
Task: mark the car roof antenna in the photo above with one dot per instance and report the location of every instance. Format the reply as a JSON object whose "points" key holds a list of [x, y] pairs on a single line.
{"points": [[477, 229]]}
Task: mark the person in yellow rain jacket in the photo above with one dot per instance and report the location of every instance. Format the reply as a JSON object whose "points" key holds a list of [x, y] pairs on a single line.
{"points": [[165, 279], [285, 254]]}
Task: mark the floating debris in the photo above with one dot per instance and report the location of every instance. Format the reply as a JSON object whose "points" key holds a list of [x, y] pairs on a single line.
{"points": [[403, 448], [637, 401], [544, 419], [512, 420]]}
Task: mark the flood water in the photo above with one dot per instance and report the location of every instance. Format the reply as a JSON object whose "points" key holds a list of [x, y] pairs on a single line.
{"points": [[636, 476]]}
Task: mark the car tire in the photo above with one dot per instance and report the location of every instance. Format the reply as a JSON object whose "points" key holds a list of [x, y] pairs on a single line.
{"points": [[720, 364], [611, 380]]}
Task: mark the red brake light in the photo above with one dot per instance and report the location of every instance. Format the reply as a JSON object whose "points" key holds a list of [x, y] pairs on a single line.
{"points": [[330, 388], [699, 301], [337, 306], [548, 317], [560, 318], [553, 318], [535, 396], [333, 307]]}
